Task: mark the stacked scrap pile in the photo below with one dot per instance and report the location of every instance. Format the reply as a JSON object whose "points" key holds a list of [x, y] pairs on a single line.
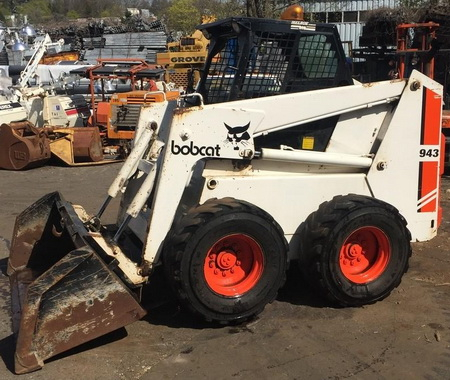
{"points": [[132, 38], [137, 24], [440, 15], [380, 27], [372, 62], [142, 45], [379, 42]]}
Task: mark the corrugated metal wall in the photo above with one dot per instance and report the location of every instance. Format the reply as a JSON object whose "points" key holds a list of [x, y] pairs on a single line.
{"points": [[349, 31], [352, 5]]}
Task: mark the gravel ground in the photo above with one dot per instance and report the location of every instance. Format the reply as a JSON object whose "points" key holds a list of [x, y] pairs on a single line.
{"points": [[298, 336]]}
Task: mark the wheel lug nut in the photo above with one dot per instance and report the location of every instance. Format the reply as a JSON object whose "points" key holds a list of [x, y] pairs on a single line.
{"points": [[212, 257], [216, 271], [211, 264], [238, 263], [358, 259], [224, 274], [232, 270]]}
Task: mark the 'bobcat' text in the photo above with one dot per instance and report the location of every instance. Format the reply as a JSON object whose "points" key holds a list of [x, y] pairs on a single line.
{"points": [[194, 150]]}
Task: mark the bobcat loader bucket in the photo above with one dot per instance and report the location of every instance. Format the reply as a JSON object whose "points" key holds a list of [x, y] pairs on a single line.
{"points": [[63, 292]]}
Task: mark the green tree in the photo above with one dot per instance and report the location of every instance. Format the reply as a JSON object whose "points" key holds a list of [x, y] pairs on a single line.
{"points": [[159, 8], [146, 4], [414, 3], [38, 11], [73, 14], [4, 9], [230, 8], [183, 16], [3, 13]]}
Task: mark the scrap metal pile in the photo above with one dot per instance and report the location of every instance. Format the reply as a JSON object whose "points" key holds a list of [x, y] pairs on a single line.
{"points": [[440, 15], [136, 34], [381, 25], [68, 130], [380, 41]]}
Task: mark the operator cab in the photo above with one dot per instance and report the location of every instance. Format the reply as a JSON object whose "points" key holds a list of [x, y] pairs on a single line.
{"points": [[252, 57]]}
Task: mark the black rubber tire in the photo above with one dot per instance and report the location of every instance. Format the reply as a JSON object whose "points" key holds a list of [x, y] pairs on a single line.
{"points": [[324, 233], [197, 232]]}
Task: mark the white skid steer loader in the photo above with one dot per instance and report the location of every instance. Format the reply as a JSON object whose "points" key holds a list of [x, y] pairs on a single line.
{"points": [[277, 156]]}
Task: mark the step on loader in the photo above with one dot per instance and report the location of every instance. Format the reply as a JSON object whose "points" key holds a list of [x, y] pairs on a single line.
{"points": [[277, 157]]}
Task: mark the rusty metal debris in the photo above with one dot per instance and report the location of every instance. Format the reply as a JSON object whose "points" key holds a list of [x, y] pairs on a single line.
{"points": [[23, 146], [75, 146]]}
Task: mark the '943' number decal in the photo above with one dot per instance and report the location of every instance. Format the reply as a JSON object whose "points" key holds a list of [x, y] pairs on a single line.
{"points": [[429, 152]]}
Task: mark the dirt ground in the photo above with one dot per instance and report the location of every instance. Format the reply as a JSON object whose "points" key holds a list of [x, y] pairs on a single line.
{"points": [[298, 336]]}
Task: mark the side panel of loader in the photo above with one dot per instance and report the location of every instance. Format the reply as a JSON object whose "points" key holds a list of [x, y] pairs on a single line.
{"points": [[203, 133], [407, 165]]}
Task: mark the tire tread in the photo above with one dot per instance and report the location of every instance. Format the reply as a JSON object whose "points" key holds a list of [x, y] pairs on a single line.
{"points": [[317, 229], [186, 228]]}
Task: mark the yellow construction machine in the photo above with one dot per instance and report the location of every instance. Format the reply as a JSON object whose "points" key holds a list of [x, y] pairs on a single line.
{"points": [[185, 57]]}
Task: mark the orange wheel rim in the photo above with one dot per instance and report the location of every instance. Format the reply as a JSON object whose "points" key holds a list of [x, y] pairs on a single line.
{"points": [[234, 265], [365, 255]]}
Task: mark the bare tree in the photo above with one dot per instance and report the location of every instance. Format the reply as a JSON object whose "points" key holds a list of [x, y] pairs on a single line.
{"points": [[266, 8]]}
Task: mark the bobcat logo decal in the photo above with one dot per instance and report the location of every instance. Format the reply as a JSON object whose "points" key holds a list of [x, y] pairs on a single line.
{"points": [[237, 136]]}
